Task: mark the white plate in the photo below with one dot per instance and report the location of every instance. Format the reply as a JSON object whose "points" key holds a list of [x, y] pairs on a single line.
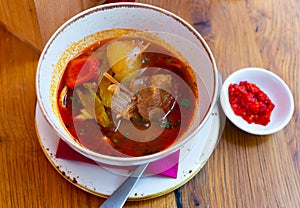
{"points": [[102, 182]]}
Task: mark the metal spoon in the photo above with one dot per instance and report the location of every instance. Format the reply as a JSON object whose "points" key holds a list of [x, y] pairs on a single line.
{"points": [[120, 195]]}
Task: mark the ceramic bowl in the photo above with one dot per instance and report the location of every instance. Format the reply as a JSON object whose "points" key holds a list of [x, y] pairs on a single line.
{"points": [[81, 30], [275, 88]]}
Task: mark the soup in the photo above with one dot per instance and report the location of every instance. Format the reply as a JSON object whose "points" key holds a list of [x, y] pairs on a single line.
{"points": [[127, 96]]}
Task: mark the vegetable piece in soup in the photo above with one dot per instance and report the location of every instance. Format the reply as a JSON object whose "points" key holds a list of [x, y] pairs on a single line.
{"points": [[127, 96]]}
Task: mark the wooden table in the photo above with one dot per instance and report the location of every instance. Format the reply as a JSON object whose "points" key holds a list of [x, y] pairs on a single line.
{"points": [[244, 170]]}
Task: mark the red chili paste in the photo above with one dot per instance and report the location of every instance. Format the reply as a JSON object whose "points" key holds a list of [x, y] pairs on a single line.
{"points": [[250, 102]]}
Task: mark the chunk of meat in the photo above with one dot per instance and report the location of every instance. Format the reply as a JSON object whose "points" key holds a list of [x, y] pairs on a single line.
{"points": [[122, 105], [158, 99]]}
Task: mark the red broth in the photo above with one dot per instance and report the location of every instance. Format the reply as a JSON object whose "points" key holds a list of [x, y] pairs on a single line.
{"points": [[127, 137]]}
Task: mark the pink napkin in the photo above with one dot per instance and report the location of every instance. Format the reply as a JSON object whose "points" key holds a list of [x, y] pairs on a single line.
{"points": [[167, 166]]}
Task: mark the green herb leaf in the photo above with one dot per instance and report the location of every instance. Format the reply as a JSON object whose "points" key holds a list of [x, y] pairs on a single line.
{"points": [[73, 102], [145, 60], [126, 135], [186, 102], [82, 132], [166, 124]]}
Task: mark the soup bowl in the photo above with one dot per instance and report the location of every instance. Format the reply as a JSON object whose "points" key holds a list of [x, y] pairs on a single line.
{"points": [[91, 26]]}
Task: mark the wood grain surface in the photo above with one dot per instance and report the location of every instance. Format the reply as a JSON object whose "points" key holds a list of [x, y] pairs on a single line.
{"points": [[34, 21], [52, 14], [245, 171], [20, 18]]}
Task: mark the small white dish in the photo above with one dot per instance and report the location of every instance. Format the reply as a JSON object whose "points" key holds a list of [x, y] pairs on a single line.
{"points": [[275, 88]]}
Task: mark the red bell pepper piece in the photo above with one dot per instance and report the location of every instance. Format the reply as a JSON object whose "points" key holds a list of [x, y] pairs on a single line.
{"points": [[81, 70]]}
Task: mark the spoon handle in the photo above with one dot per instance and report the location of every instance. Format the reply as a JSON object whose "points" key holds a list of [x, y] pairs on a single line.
{"points": [[120, 195]]}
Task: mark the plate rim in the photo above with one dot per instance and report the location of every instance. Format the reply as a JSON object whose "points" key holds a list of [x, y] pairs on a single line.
{"points": [[217, 113]]}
